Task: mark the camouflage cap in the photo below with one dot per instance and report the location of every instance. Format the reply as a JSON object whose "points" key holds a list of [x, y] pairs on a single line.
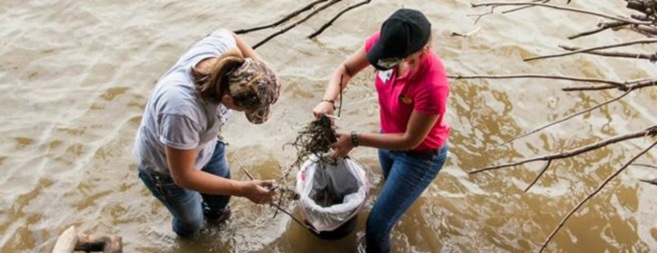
{"points": [[255, 87]]}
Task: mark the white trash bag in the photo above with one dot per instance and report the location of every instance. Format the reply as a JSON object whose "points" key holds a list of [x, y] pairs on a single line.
{"points": [[331, 194]]}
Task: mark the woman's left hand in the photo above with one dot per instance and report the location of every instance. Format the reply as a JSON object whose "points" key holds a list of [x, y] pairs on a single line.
{"points": [[342, 146]]}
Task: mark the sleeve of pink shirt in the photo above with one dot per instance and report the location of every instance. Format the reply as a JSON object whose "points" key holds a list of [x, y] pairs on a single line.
{"points": [[369, 43], [431, 94]]}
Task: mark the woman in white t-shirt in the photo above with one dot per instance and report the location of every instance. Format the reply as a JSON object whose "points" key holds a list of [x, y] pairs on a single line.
{"points": [[180, 158]]}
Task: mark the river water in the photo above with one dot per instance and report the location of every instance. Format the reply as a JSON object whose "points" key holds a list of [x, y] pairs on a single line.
{"points": [[75, 77]]}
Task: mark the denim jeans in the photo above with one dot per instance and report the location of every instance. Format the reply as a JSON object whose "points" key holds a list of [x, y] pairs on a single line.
{"points": [[406, 177], [189, 207]]}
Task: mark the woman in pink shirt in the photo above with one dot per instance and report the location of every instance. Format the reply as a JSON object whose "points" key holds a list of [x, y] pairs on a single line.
{"points": [[412, 87]]}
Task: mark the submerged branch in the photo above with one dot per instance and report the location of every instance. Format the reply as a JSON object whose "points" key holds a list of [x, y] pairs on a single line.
{"points": [[581, 203], [321, 29], [650, 57], [524, 7], [568, 78], [602, 27], [651, 131], [479, 16], [631, 85], [648, 31], [282, 20], [653, 182], [547, 165], [273, 35], [568, 117], [644, 41], [645, 165], [496, 4]]}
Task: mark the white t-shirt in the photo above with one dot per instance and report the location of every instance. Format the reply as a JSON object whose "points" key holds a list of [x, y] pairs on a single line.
{"points": [[176, 116]]}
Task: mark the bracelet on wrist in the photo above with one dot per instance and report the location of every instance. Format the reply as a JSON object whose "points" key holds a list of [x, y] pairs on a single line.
{"points": [[329, 101], [354, 139]]}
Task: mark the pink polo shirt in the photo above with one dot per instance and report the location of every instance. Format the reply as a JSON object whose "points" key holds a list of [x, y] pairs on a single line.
{"points": [[424, 91]]}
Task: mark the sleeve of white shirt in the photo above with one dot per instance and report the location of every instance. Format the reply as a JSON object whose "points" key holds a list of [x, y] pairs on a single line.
{"points": [[213, 45], [178, 131]]}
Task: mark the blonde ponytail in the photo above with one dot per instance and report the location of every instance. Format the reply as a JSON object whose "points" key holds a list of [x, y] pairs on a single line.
{"points": [[213, 85]]}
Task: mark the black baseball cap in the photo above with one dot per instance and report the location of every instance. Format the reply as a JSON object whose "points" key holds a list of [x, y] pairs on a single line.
{"points": [[405, 32]]}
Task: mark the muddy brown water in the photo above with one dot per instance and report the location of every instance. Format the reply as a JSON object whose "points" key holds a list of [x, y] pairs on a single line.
{"points": [[75, 76]]}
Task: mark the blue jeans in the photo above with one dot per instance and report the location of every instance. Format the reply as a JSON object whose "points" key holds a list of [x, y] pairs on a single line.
{"points": [[189, 207], [406, 177]]}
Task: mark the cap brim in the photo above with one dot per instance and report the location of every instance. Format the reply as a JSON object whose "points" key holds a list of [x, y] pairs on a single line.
{"points": [[258, 116], [375, 54], [380, 60]]}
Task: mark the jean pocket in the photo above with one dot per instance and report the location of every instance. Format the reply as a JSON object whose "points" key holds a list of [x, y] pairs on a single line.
{"points": [[168, 190]]}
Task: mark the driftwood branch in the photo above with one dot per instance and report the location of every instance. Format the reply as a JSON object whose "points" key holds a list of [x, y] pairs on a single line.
{"points": [[650, 57], [604, 183], [645, 165], [496, 4], [547, 165], [653, 182], [327, 24], [648, 31], [647, 7], [632, 85], [524, 7], [610, 84], [541, 76], [282, 20], [643, 41], [479, 16], [569, 117], [273, 35], [601, 27], [651, 131]]}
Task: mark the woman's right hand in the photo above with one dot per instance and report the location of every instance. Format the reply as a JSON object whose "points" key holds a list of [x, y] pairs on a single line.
{"points": [[258, 191], [322, 108]]}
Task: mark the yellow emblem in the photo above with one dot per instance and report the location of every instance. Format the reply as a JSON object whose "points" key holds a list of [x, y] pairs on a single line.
{"points": [[405, 99]]}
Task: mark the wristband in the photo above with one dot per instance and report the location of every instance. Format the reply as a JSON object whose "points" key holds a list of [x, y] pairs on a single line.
{"points": [[330, 101], [354, 139]]}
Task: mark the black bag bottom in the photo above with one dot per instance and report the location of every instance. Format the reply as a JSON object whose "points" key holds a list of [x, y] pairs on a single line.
{"points": [[338, 233]]}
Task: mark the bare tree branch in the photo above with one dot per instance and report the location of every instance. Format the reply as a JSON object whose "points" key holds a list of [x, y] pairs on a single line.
{"points": [[601, 27], [641, 6], [568, 117], [644, 41], [282, 20], [651, 131], [479, 16], [654, 181], [547, 165], [321, 29], [581, 203], [524, 7], [640, 17], [588, 88], [567, 78], [650, 57], [321, 8], [648, 31], [495, 4], [633, 85], [645, 165]]}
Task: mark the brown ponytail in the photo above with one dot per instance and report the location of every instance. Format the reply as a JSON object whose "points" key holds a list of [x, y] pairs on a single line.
{"points": [[212, 86]]}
